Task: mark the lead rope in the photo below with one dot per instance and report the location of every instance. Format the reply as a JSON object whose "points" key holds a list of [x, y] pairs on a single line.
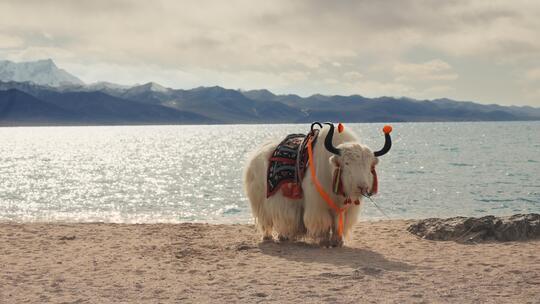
{"points": [[323, 193], [377, 206]]}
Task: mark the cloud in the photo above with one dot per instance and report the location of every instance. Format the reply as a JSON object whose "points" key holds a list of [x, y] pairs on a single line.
{"points": [[433, 70], [353, 76], [533, 75], [375, 88], [8, 41], [301, 46], [32, 53], [533, 94], [436, 91], [310, 33]]}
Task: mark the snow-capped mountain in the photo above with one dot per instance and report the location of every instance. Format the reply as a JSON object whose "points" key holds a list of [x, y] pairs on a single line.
{"points": [[38, 93], [42, 72], [149, 87]]}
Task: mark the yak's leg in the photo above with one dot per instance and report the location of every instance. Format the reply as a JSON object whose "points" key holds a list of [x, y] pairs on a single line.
{"points": [[317, 220], [350, 219], [255, 189], [266, 226], [267, 234], [286, 217], [325, 239], [336, 240]]}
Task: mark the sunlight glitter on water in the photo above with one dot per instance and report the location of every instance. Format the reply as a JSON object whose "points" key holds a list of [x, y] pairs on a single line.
{"points": [[147, 174]]}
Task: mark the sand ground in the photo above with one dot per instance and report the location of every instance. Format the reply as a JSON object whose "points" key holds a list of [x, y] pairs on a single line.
{"points": [[199, 263]]}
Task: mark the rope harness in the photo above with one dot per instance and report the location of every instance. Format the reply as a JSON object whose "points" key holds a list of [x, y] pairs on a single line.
{"points": [[339, 211]]}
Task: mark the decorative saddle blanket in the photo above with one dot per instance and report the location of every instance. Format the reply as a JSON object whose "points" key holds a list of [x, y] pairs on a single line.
{"points": [[288, 165]]}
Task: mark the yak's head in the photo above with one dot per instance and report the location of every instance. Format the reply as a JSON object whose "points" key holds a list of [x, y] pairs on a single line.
{"points": [[356, 164]]}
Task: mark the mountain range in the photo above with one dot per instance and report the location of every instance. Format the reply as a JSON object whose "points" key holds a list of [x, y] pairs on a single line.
{"points": [[39, 93]]}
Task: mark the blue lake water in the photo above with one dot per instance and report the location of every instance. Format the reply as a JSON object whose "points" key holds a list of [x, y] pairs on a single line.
{"points": [[148, 174]]}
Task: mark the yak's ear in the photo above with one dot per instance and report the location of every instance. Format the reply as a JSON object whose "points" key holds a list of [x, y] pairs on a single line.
{"points": [[334, 160], [376, 161]]}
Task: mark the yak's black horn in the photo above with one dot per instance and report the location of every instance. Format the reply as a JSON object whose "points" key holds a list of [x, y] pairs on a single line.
{"points": [[315, 123], [328, 140], [387, 142]]}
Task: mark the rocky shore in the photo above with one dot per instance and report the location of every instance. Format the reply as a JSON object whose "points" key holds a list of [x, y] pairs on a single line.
{"points": [[519, 227]]}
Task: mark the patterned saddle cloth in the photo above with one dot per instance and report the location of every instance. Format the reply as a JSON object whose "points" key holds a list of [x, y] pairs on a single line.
{"points": [[288, 166]]}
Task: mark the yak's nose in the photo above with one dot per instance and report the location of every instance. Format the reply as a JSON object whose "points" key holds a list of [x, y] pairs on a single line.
{"points": [[363, 189]]}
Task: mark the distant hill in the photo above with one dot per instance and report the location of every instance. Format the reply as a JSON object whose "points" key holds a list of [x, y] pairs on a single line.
{"points": [[356, 108], [43, 72], [221, 104], [27, 102], [50, 107], [19, 108]]}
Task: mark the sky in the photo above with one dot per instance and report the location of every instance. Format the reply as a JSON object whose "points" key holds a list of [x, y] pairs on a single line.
{"points": [[482, 51]]}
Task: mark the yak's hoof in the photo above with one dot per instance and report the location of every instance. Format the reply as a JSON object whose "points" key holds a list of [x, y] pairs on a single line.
{"points": [[267, 238], [336, 243], [325, 243], [283, 238]]}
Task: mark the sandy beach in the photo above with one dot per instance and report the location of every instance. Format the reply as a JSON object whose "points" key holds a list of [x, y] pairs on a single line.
{"points": [[201, 263]]}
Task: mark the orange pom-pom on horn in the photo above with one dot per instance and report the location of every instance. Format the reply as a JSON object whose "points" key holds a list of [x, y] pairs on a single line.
{"points": [[387, 142], [340, 127]]}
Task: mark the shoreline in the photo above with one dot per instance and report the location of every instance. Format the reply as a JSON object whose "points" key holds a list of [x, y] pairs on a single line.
{"points": [[190, 262], [257, 123]]}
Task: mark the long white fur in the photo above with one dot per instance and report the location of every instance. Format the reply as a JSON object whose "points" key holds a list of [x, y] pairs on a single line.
{"points": [[310, 215]]}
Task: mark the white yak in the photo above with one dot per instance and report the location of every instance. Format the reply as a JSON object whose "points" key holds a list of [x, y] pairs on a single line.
{"points": [[311, 215]]}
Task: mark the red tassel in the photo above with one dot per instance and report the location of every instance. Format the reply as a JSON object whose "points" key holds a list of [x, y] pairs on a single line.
{"points": [[296, 191], [292, 190], [375, 185], [286, 190], [337, 185]]}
